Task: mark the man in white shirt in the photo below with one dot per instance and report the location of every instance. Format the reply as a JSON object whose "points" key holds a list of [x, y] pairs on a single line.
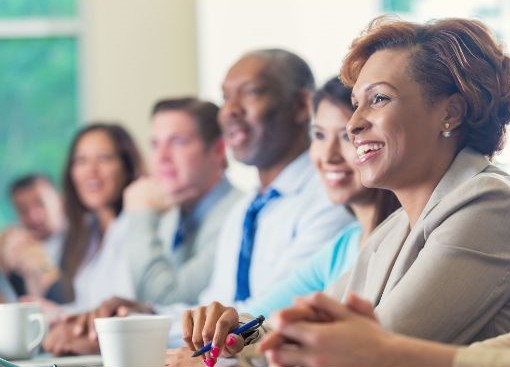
{"points": [[265, 119]]}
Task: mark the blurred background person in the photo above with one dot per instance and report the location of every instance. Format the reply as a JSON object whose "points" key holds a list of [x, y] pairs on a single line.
{"points": [[102, 161], [172, 218], [38, 206]]}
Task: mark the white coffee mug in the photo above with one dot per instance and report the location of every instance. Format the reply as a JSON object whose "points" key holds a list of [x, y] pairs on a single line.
{"points": [[22, 330], [133, 341]]}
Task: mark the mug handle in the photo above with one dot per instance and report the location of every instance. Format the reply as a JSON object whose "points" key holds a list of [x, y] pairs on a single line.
{"points": [[41, 322]]}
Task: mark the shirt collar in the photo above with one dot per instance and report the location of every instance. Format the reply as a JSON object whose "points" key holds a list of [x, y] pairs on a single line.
{"points": [[203, 206], [294, 176]]}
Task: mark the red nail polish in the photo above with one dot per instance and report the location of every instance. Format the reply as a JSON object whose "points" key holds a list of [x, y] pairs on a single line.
{"points": [[231, 340], [210, 362], [215, 352]]}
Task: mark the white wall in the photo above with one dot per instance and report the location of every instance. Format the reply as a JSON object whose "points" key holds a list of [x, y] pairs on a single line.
{"points": [[135, 52], [319, 31], [139, 50]]}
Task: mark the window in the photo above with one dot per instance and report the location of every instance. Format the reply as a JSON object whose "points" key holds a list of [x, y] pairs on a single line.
{"points": [[39, 89], [397, 6]]}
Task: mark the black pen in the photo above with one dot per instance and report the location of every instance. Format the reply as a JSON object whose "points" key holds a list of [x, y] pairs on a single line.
{"points": [[252, 325]]}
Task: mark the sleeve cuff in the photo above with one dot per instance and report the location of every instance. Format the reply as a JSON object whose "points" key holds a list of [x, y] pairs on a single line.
{"points": [[482, 357], [141, 219]]}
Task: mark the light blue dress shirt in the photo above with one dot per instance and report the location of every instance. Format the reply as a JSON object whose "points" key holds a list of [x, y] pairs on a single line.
{"points": [[315, 275], [192, 222]]}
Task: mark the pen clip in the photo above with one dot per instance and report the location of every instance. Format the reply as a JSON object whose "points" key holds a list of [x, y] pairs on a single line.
{"points": [[249, 332]]}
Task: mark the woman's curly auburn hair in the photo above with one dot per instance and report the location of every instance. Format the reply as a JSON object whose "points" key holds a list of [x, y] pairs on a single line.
{"points": [[447, 56]]}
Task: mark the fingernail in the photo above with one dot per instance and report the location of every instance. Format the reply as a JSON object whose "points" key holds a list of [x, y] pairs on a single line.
{"points": [[215, 352], [210, 362], [231, 341]]}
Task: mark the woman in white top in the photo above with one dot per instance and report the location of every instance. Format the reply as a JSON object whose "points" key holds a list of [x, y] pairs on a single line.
{"points": [[103, 160]]}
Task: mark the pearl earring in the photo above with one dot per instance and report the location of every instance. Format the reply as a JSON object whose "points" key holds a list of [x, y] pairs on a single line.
{"points": [[446, 133]]}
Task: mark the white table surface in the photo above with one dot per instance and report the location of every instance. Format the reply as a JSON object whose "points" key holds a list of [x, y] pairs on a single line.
{"points": [[47, 360]]}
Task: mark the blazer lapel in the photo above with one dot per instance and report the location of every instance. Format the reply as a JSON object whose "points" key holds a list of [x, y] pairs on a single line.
{"points": [[408, 253], [382, 259], [466, 165]]}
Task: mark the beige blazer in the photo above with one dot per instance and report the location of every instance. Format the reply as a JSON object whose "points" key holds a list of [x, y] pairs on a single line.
{"points": [[447, 279]]}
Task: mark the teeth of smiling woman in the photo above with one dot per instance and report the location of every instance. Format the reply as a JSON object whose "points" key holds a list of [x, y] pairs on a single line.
{"points": [[365, 148], [335, 175]]}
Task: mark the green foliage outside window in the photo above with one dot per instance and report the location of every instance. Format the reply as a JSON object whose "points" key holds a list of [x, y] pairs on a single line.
{"points": [[397, 6], [38, 109], [38, 8]]}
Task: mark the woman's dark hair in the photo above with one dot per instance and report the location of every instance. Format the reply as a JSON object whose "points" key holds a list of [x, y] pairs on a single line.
{"points": [[447, 56], [335, 92], [78, 216]]}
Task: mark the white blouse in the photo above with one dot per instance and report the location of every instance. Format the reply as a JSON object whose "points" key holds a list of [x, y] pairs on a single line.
{"points": [[104, 272]]}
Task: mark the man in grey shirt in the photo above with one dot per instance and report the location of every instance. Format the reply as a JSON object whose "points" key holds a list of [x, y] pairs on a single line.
{"points": [[172, 218]]}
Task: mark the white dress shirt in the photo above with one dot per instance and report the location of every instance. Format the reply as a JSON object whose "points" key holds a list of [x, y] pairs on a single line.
{"points": [[290, 229]]}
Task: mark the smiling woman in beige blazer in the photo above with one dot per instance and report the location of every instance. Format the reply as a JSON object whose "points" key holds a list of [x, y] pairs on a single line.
{"points": [[432, 102]]}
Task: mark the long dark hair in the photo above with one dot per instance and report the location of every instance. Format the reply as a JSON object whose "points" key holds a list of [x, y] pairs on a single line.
{"points": [[79, 222], [337, 93]]}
